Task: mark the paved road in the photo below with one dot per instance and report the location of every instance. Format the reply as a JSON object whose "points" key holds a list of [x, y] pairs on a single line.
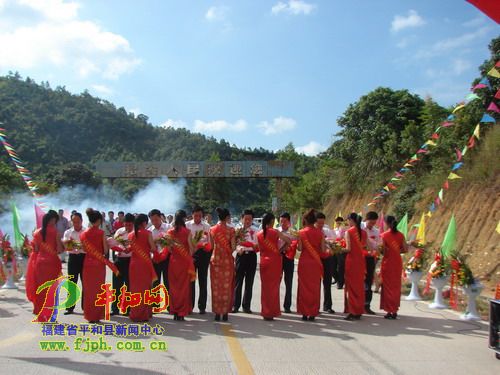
{"points": [[422, 341]]}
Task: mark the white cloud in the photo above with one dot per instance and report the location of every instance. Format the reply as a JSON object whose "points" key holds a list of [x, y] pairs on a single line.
{"points": [[475, 22], [293, 7], [136, 111], [459, 66], [219, 126], [102, 89], [277, 126], [216, 13], [444, 46], [311, 149], [175, 124], [50, 33], [403, 22]]}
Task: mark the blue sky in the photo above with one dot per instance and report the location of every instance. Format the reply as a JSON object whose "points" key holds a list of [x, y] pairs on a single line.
{"points": [[256, 73]]}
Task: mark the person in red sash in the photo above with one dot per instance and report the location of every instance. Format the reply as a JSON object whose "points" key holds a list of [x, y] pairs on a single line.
{"points": [[141, 271], [271, 266], [310, 269], [94, 267], [355, 268], [394, 244], [223, 243], [181, 272], [47, 265]]}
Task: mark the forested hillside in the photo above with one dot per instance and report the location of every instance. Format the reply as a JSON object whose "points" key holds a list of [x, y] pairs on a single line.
{"points": [[60, 135]]}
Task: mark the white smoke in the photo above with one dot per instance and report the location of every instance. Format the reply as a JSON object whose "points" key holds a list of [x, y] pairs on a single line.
{"points": [[161, 194]]}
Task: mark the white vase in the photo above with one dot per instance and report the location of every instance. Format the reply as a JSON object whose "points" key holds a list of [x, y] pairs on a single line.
{"points": [[414, 277], [21, 265], [9, 282], [472, 292], [438, 283]]}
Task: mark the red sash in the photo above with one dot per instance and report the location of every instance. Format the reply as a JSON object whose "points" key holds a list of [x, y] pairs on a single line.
{"points": [[270, 246], [310, 249], [223, 242], [145, 257], [47, 248], [96, 254]]}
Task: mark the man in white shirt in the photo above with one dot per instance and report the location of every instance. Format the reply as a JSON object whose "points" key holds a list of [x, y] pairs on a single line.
{"points": [[200, 231], [339, 259], [246, 263], [327, 261], [373, 242], [159, 229], [122, 262], [288, 256], [75, 251]]}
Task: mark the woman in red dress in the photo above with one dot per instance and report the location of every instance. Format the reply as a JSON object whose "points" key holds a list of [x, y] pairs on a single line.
{"points": [[141, 271], [394, 244], [271, 267], [94, 266], [310, 268], [181, 267], [222, 239], [355, 268], [46, 263]]}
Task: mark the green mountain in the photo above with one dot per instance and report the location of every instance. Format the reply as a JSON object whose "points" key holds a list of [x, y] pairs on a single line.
{"points": [[60, 135]]}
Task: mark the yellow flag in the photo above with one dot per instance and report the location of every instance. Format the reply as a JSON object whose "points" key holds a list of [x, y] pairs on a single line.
{"points": [[421, 231], [430, 143], [498, 227], [494, 73], [408, 165], [453, 176], [476, 131], [428, 214], [459, 107]]}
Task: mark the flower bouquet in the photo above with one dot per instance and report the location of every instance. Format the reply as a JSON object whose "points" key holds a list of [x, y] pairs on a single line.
{"points": [[26, 248], [240, 235], [166, 241], [72, 245], [437, 275], [123, 242], [337, 246], [416, 262], [8, 257]]}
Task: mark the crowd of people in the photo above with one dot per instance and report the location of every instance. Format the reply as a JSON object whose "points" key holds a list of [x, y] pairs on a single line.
{"points": [[177, 251]]}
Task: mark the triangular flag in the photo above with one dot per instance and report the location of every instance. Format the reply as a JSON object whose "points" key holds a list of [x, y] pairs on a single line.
{"points": [[497, 65], [408, 165], [391, 186], [457, 166], [397, 174], [472, 142], [447, 124], [451, 117], [430, 143], [435, 136], [428, 214], [479, 86], [497, 95], [464, 151], [459, 154], [498, 227], [448, 245], [432, 207], [421, 231], [440, 195], [476, 131], [487, 118], [493, 108], [437, 201], [494, 73], [458, 107], [472, 96], [446, 185], [453, 176], [485, 81], [403, 225]]}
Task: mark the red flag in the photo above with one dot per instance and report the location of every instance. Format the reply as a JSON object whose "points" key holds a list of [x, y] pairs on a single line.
{"points": [[446, 185], [488, 7], [435, 136], [471, 142], [459, 154], [39, 216], [497, 95], [493, 107]]}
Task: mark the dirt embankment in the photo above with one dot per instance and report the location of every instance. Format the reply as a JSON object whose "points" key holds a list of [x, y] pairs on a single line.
{"points": [[476, 207]]}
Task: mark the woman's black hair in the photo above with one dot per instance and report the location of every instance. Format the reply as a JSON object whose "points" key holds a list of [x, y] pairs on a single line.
{"points": [[309, 217], [179, 219], [139, 220], [266, 219], [392, 223], [222, 213], [93, 215], [129, 218], [46, 220], [357, 221]]}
